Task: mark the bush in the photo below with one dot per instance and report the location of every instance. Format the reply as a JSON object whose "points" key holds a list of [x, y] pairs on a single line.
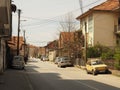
{"points": [[117, 61], [117, 58], [107, 55], [92, 52], [97, 51], [117, 66]]}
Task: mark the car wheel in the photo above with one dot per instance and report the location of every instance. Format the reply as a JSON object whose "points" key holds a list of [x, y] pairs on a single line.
{"points": [[94, 72], [59, 65], [87, 71], [22, 68], [107, 71]]}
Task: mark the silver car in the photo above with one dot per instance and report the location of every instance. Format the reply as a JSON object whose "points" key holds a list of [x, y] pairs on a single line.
{"points": [[57, 59], [64, 61], [18, 62]]}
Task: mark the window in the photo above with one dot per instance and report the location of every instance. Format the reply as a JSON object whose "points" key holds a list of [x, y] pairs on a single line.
{"points": [[90, 23], [119, 21]]}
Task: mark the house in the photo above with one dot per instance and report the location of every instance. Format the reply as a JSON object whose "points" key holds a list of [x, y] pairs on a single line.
{"points": [[66, 43], [5, 29], [42, 51], [12, 43], [12, 48], [34, 51], [70, 44], [52, 50], [101, 24]]}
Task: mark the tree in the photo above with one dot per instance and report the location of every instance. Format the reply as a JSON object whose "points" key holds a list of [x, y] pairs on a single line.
{"points": [[79, 43], [68, 25]]}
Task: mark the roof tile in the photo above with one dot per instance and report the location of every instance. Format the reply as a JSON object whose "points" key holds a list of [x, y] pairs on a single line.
{"points": [[108, 5]]}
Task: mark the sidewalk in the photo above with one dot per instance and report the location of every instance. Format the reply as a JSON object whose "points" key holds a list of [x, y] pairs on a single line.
{"points": [[14, 80], [114, 72]]}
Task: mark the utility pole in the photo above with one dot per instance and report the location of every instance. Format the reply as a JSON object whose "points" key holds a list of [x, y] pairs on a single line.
{"points": [[24, 42], [19, 12], [81, 7]]}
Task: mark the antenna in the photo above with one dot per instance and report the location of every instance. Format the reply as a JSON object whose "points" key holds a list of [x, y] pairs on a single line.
{"points": [[81, 7]]}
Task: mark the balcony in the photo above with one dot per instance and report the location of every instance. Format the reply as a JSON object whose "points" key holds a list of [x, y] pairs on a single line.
{"points": [[117, 29]]}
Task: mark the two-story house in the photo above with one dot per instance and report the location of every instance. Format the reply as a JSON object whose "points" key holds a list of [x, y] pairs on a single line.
{"points": [[6, 9], [101, 24]]}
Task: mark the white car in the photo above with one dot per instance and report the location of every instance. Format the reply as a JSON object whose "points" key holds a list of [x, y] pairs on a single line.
{"points": [[64, 61], [18, 62]]}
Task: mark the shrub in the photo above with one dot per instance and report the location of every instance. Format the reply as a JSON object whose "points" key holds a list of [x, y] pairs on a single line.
{"points": [[107, 55], [96, 51], [117, 58], [93, 52]]}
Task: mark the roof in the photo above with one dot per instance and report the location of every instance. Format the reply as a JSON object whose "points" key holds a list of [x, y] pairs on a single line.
{"points": [[13, 42], [52, 44], [67, 36], [109, 5]]}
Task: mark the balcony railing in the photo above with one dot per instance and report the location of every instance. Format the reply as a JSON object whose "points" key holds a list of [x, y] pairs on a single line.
{"points": [[117, 29]]}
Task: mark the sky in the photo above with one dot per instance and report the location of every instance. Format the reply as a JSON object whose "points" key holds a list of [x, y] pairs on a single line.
{"points": [[40, 18]]}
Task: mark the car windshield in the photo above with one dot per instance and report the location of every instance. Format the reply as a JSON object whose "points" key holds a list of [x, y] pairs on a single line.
{"points": [[17, 58], [65, 58], [97, 62]]}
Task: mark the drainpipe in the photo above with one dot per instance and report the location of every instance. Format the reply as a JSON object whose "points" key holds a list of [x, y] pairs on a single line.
{"points": [[85, 42]]}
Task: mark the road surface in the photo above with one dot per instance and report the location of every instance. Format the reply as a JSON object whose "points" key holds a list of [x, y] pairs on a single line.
{"points": [[47, 76]]}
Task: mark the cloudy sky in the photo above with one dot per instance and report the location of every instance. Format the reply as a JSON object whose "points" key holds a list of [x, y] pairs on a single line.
{"points": [[40, 18]]}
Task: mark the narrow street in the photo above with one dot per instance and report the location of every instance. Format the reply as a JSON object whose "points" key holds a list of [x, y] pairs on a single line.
{"points": [[39, 75], [47, 76], [70, 32]]}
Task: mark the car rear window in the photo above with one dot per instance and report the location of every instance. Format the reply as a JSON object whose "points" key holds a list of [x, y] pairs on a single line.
{"points": [[97, 62]]}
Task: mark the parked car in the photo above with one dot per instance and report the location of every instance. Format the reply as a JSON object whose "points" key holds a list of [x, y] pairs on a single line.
{"points": [[64, 61], [44, 58], [18, 62], [96, 66], [57, 59]]}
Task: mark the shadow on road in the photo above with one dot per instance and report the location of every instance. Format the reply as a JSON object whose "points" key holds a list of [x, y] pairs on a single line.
{"points": [[54, 81]]}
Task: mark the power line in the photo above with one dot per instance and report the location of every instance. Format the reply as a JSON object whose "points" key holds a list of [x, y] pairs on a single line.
{"points": [[52, 20]]}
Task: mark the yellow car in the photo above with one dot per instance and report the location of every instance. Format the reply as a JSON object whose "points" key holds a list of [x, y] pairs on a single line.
{"points": [[96, 66]]}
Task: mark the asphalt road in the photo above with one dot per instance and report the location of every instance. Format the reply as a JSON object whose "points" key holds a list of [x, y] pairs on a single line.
{"points": [[47, 76]]}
